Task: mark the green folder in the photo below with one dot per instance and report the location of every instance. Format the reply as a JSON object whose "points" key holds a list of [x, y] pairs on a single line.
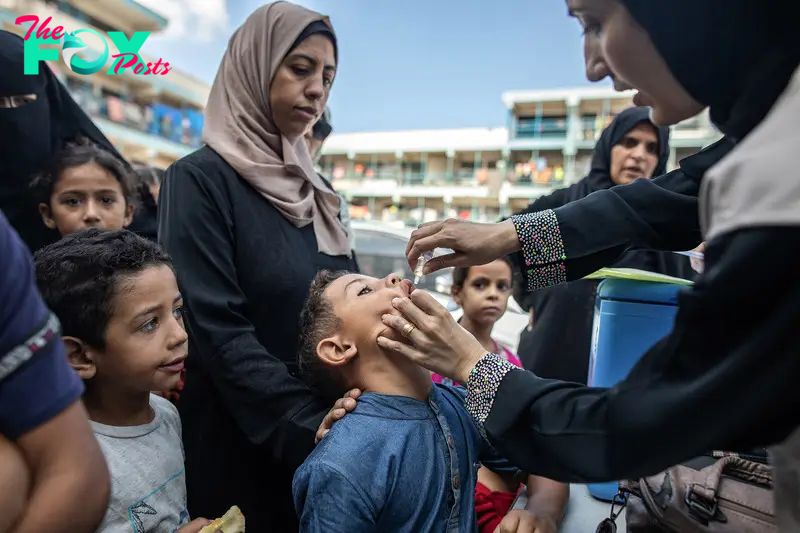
{"points": [[640, 275]]}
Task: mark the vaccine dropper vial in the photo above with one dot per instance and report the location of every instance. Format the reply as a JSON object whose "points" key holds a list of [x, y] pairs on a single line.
{"points": [[418, 272]]}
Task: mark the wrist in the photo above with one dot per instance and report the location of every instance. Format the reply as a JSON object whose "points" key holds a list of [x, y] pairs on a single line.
{"points": [[543, 516], [509, 237], [473, 357]]}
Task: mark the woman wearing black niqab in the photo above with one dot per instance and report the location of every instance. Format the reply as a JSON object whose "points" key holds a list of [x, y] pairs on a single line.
{"points": [[557, 343], [37, 117]]}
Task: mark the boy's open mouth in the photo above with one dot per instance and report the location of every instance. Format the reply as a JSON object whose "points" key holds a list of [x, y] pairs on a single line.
{"points": [[407, 287]]}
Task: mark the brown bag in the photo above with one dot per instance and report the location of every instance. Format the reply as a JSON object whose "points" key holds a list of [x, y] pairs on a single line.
{"points": [[732, 495]]}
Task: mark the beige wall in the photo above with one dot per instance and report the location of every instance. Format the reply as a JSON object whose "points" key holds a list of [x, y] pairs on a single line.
{"points": [[437, 164]]}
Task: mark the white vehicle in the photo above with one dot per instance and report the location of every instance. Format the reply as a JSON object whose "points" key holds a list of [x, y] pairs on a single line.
{"points": [[381, 249]]}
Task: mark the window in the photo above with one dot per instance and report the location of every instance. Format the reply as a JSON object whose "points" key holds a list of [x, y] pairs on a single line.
{"points": [[541, 127]]}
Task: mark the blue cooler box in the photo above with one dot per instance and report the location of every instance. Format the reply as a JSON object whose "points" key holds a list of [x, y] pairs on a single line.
{"points": [[630, 317]]}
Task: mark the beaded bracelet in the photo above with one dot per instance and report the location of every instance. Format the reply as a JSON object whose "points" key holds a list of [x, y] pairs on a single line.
{"points": [[482, 386], [542, 248]]}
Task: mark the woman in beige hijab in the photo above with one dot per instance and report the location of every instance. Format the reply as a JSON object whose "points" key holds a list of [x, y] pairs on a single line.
{"points": [[248, 223]]}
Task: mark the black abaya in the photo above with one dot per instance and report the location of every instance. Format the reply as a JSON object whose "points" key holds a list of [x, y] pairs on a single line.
{"points": [[558, 344], [726, 376]]}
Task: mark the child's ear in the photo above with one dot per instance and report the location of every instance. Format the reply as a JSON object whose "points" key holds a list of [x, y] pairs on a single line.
{"points": [[47, 217], [130, 209], [80, 357], [334, 351]]}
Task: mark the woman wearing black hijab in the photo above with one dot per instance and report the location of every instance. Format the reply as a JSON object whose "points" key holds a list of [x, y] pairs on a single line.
{"points": [[601, 174], [556, 344], [726, 376], [37, 118]]}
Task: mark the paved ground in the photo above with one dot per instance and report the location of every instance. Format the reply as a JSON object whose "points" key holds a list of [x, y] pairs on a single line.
{"points": [[584, 513]]}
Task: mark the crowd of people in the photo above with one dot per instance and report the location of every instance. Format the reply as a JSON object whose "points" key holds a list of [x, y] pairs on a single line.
{"points": [[175, 344]]}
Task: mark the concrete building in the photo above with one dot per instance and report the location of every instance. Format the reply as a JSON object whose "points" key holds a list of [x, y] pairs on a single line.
{"points": [[153, 119], [485, 173], [412, 176]]}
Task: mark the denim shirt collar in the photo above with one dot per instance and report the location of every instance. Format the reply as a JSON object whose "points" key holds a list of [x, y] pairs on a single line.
{"points": [[397, 407]]}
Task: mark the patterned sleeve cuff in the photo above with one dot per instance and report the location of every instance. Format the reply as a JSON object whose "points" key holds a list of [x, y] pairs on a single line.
{"points": [[542, 248], [482, 385]]}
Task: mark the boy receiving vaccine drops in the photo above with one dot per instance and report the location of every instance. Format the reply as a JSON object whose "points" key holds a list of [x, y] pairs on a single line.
{"points": [[406, 459]]}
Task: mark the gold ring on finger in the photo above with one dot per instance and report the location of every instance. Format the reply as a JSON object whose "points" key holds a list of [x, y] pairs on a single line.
{"points": [[407, 329]]}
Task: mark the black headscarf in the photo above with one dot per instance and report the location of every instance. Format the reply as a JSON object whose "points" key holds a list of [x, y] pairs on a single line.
{"points": [[145, 219], [318, 27], [735, 56], [599, 176], [31, 135], [558, 345]]}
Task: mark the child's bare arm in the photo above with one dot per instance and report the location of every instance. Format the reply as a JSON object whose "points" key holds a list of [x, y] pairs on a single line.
{"points": [[14, 484], [547, 499], [70, 479]]}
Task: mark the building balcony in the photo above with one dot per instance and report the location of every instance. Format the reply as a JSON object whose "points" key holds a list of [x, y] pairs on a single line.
{"points": [[483, 183], [540, 128], [174, 86], [538, 133], [109, 15], [462, 178], [118, 13], [158, 128]]}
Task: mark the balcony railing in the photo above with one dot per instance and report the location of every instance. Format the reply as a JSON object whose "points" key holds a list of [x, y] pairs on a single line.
{"points": [[184, 126], [465, 178], [541, 128], [592, 126]]}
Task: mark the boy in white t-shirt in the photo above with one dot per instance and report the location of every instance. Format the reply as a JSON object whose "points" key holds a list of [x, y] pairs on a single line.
{"points": [[122, 322]]}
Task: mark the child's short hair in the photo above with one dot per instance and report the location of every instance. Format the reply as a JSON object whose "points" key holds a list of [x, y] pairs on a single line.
{"points": [[460, 274], [317, 322], [80, 275], [78, 153]]}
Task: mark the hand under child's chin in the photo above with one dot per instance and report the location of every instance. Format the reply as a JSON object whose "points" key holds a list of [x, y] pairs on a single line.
{"points": [[393, 334]]}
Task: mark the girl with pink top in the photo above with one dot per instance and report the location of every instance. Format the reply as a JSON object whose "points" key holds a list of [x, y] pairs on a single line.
{"points": [[482, 292]]}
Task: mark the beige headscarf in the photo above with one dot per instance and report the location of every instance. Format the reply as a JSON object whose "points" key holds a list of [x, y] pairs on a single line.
{"points": [[239, 125]]}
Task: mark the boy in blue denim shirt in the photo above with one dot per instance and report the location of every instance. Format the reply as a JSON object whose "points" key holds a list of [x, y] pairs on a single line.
{"points": [[406, 459]]}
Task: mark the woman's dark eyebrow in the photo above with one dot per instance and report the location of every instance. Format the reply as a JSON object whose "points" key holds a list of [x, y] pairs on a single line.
{"points": [[300, 55], [314, 62]]}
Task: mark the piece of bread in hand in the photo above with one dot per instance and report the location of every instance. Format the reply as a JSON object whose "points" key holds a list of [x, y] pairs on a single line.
{"points": [[231, 522]]}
